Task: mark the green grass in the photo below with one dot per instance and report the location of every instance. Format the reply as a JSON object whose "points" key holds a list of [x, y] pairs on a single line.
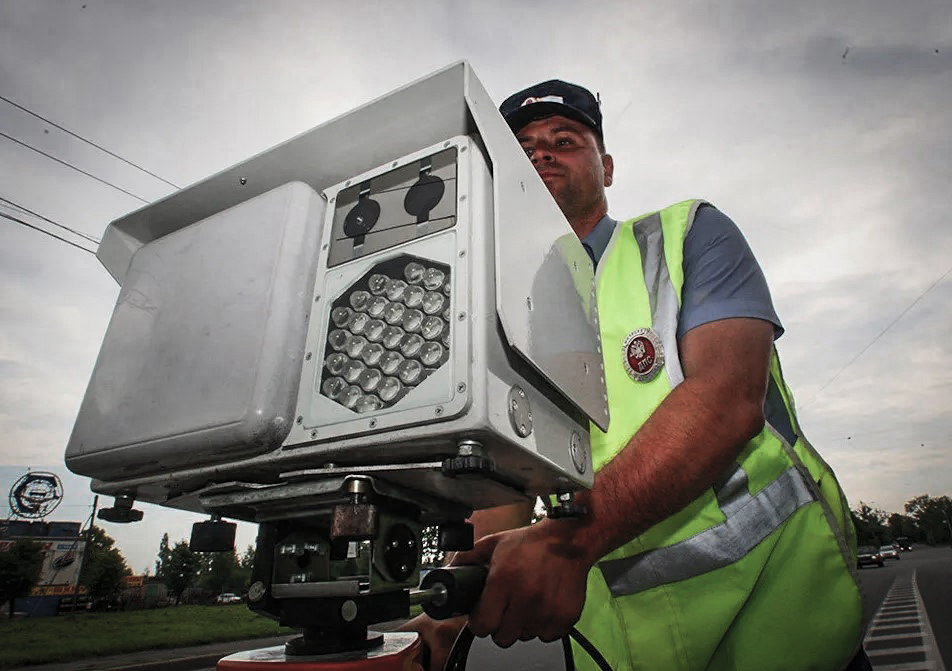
{"points": [[67, 637]]}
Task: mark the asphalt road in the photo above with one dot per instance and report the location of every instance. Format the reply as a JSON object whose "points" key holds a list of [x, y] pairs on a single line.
{"points": [[932, 568]]}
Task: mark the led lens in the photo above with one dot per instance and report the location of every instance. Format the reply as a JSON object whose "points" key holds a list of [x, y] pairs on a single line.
{"points": [[392, 335], [433, 302], [341, 315], [332, 387], [335, 363], [431, 353], [359, 300], [410, 371], [431, 327], [374, 330], [369, 379], [338, 339], [367, 404], [412, 320], [378, 283], [377, 306], [414, 272], [349, 397], [433, 279], [410, 344], [372, 353], [389, 388], [394, 313], [395, 290], [390, 362], [352, 370], [413, 296], [355, 345], [358, 323]]}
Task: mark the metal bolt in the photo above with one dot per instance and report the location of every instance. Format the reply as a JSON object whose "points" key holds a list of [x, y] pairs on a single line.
{"points": [[438, 410], [307, 357], [299, 419], [462, 253], [314, 433], [461, 316], [373, 423], [348, 611], [242, 181], [461, 387], [257, 591]]}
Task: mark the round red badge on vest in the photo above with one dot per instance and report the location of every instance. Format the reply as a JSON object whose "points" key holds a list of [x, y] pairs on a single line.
{"points": [[644, 355]]}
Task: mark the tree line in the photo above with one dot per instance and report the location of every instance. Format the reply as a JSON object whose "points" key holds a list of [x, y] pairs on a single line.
{"points": [[926, 519]]}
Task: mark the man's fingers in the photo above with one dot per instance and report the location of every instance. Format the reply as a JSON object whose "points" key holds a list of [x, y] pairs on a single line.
{"points": [[480, 554]]}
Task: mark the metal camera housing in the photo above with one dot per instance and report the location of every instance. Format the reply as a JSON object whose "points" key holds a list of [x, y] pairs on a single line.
{"points": [[385, 322]]}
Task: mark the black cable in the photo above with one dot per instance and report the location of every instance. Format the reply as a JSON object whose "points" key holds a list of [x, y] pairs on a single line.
{"points": [[460, 650], [590, 649], [464, 641], [50, 221], [70, 165], [89, 142], [567, 654], [52, 235]]}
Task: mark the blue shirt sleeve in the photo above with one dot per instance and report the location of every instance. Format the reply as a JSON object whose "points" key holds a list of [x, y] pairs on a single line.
{"points": [[722, 279]]}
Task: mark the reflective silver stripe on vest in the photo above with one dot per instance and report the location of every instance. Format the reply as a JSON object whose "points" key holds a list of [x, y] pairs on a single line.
{"points": [[751, 520], [661, 293]]}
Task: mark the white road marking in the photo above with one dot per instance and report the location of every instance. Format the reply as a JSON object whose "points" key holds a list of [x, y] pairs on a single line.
{"points": [[900, 637]]}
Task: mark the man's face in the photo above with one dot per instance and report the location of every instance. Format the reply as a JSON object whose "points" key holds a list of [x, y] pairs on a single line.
{"points": [[566, 155]]}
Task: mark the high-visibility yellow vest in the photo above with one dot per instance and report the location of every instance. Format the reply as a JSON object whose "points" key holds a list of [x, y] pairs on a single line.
{"points": [[757, 573]]}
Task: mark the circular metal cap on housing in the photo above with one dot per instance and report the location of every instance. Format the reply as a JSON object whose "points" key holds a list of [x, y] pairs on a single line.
{"points": [[579, 455], [520, 411]]}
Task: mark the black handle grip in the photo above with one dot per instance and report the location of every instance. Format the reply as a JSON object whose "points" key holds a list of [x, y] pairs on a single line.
{"points": [[463, 585]]}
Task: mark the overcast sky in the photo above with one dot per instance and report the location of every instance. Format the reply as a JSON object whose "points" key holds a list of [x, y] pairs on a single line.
{"points": [[822, 127]]}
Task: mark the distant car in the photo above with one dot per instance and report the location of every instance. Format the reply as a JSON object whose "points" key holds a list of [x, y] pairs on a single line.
{"points": [[904, 544], [229, 597], [867, 554], [889, 552]]}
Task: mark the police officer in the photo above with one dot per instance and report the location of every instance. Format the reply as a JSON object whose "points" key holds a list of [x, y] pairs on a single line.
{"points": [[716, 537]]}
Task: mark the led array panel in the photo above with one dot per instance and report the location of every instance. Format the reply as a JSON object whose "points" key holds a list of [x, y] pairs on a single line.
{"points": [[387, 333]]}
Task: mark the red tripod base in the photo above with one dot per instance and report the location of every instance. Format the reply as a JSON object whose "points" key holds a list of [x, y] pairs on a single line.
{"points": [[401, 651]]}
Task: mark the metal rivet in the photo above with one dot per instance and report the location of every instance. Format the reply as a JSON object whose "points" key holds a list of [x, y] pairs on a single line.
{"points": [[242, 181], [461, 316], [314, 433], [307, 357], [348, 611], [462, 253], [373, 423]]}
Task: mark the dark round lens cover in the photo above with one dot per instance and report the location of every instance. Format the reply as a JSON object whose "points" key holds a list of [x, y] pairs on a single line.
{"points": [[424, 196], [361, 218]]}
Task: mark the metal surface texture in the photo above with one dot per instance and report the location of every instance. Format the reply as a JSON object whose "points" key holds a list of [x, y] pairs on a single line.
{"points": [[201, 360]]}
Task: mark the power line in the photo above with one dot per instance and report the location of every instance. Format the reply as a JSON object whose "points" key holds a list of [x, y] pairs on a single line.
{"points": [[89, 142], [70, 165], [879, 335], [44, 231], [48, 220]]}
